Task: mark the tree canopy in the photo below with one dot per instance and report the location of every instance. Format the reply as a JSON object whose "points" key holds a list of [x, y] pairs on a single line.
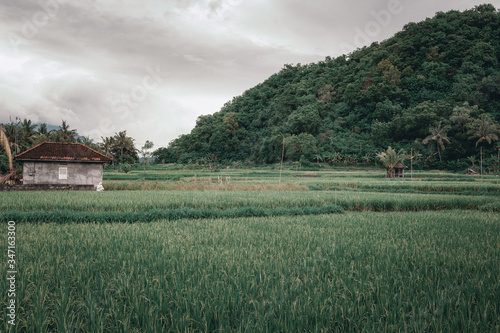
{"points": [[441, 73]]}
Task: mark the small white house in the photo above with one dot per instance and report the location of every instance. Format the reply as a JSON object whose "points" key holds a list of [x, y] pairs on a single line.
{"points": [[56, 163]]}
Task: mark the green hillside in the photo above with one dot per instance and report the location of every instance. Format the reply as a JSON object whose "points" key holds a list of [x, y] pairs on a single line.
{"points": [[441, 74]]}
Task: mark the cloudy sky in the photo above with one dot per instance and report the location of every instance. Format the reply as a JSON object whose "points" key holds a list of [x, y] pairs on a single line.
{"points": [[151, 67]]}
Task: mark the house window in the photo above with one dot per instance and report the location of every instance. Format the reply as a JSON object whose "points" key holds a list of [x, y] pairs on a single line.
{"points": [[63, 173]]}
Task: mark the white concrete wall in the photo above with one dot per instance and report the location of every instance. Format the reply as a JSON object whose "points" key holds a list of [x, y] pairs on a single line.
{"points": [[48, 173]]}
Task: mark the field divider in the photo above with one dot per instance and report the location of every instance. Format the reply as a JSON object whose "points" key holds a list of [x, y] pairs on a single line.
{"points": [[156, 214], [69, 216]]}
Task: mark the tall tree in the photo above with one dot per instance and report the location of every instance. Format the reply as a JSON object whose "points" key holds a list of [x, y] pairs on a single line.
{"points": [[65, 134], [12, 131], [28, 134], [124, 149], [485, 129], [145, 153], [107, 145], [42, 129], [439, 137], [302, 144], [122, 142]]}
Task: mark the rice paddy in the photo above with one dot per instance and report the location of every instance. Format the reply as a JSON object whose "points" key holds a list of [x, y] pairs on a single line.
{"points": [[296, 254], [425, 271]]}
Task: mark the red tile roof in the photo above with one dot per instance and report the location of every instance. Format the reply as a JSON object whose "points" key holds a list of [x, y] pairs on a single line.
{"points": [[58, 151]]}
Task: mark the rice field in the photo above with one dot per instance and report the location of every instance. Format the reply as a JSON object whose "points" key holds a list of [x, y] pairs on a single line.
{"points": [[147, 206], [383, 272], [316, 251], [293, 180]]}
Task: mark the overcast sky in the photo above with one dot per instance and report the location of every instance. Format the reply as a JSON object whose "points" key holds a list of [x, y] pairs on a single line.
{"points": [[151, 67]]}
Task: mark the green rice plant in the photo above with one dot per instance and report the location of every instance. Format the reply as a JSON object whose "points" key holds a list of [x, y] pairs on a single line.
{"points": [[491, 207], [120, 206], [363, 272], [69, 216]]}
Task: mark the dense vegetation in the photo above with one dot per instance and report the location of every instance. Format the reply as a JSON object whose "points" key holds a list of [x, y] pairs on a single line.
{"points": [[434, 87]]}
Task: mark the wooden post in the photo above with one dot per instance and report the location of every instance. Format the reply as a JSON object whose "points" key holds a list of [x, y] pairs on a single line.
{"points": [[481, 162], [411, 164], [282, 156]]}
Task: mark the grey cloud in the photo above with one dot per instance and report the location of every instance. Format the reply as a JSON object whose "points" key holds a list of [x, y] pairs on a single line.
{"points": [[231, 47]]}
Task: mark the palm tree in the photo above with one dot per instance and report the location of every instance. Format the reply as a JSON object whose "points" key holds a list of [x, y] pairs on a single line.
{"points": [[42, 129], [66, 134], [390, 158], [11, 131], [484, 130], [107, 145], [42, 134], [438, 136], [122, 142], [145, 153], [124, 145], [28, 133]]}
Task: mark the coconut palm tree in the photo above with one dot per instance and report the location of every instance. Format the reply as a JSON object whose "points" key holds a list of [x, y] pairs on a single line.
{"points": [[28, 134], [107, 145], [390, 158], [145, 153], [42, 134], [438, 137], [65, 134], [12, 130], [42, 129], [123, 142], [124, 148], [484, 130]]}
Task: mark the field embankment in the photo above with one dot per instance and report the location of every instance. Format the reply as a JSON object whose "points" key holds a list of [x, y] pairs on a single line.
{"points": [[147, 206]]}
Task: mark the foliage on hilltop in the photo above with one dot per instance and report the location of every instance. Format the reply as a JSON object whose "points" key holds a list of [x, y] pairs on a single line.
{"points": [[442, 73]]}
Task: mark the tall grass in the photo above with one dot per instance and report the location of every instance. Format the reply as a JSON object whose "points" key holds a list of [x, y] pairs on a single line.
{"points": [[426, 186], [69, 216], [373, 272], [146, 201]]}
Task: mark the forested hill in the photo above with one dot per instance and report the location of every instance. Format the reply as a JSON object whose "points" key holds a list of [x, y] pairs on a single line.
{"points": [[441, 75]]}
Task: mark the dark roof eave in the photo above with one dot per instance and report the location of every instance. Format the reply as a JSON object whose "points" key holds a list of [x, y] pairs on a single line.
{"points": [[59, 160], [58, 145]]}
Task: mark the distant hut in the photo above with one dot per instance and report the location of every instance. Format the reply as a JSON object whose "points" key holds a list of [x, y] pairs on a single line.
{"points": [[56, 163], [399, 170]]}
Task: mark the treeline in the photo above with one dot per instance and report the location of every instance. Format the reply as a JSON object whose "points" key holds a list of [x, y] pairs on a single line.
{"points": [[24, 134], [433, 88]]}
